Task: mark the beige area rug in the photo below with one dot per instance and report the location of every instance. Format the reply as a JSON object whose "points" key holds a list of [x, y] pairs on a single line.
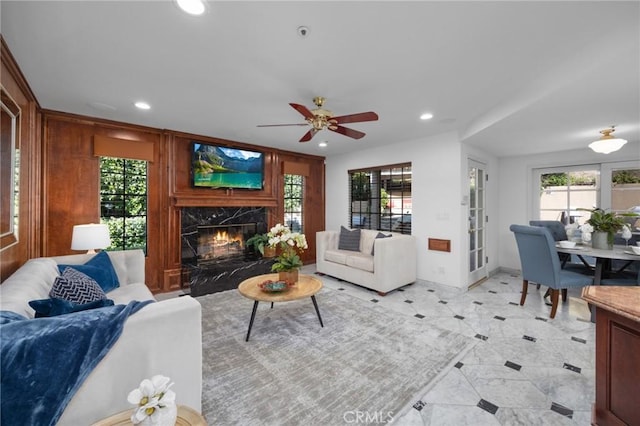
{"points": [[366, 359]]}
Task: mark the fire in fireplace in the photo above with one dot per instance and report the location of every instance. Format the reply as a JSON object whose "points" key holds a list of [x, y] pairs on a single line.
{"points": [[220, 242]]}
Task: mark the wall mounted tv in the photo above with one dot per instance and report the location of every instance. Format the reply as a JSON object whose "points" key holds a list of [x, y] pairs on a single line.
{"points": [[223, 167]]}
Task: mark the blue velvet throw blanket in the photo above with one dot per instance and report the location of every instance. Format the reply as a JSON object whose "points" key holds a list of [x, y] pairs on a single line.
{"points": [[45, 360]]}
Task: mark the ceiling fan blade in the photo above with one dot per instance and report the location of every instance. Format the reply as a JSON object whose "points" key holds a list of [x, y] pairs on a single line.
{"points": [[303, 110], [307, 136], [355, 134], [356, 118], [279, 125]]}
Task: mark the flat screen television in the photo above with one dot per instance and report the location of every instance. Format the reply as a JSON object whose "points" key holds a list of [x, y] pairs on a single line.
{"points": [[215, 166]]}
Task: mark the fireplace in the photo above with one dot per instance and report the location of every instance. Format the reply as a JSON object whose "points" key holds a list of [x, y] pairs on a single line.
{"points": [[214, 255], [218, 242]]}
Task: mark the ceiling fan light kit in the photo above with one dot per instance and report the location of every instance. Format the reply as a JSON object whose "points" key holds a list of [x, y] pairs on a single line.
{"points": [[607, 143], [320, 119]]}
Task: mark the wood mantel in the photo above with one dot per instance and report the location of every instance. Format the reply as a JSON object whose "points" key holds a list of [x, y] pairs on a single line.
{"points": [[229, 201], [617, 354]]}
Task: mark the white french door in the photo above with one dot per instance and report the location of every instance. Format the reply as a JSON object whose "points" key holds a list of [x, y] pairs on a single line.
{"points": [[477, 222]]}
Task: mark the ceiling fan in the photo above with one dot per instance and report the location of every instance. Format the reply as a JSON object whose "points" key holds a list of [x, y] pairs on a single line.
{"points": [[320, 119]]}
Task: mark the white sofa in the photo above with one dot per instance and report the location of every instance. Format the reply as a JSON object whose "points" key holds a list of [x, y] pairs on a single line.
{"points": [[392, 265], [162, 338]]}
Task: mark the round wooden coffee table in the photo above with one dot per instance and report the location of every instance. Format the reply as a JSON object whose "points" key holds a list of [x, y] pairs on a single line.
{"points": [[307, 286]]}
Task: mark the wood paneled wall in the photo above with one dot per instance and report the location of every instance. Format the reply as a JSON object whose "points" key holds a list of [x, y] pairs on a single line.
{"points": [[28, 238], [72, 184]]}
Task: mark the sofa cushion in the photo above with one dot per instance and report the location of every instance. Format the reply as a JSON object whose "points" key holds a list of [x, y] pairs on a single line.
{"points": [[53, 307], [76, 287], [336, 256], [380, 235], [125, 294], [349, 239], [360, 261], [100, 268]]}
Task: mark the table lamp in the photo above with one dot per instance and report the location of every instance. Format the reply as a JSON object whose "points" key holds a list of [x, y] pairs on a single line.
{"points": [[90, 237]]}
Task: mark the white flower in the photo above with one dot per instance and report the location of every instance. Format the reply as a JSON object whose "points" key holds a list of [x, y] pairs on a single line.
{"points": [[586, 228], [150, 397]]}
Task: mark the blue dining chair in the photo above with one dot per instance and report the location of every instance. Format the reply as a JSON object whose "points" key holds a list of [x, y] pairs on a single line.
{"points": [[558, 232], [540, 264]]}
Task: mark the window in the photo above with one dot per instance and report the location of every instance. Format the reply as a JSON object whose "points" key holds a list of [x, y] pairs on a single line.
{"points": [[563, 191], [123, 202], [625, 190], [293, 205], [381, 198]]}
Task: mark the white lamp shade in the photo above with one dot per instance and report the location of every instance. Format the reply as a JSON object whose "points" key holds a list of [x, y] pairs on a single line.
{"points": [[606, 146], [89, 237]]}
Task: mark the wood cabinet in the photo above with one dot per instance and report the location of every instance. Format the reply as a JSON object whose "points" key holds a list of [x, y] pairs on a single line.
{"points": [[617, 354]]}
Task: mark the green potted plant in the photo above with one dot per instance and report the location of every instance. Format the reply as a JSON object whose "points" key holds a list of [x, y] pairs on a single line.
{"points": [[604, 226], [260, 243]]}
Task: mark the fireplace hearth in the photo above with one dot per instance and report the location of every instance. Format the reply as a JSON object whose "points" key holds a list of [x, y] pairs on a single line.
{"points": [[214, 255]]}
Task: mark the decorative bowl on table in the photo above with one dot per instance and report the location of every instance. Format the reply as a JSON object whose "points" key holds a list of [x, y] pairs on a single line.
{"points": [[567, 244], [274, 286]]}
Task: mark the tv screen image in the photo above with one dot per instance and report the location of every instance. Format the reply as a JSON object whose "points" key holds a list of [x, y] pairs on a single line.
{"points": [[222, 167]]}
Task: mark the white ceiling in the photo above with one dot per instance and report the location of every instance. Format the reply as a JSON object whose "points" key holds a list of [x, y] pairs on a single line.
{"points": [[510, 77]]}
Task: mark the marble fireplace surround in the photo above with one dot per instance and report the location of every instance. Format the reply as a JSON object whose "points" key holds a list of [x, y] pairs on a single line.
{"points": [[226, 273]]}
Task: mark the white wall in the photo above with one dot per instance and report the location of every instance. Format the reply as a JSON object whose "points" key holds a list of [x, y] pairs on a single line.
{"points": [[516, 189], [437, 169]]}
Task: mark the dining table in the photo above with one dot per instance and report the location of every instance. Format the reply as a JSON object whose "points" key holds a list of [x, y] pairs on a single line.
{"points": [[603, 267], [603, 257]]}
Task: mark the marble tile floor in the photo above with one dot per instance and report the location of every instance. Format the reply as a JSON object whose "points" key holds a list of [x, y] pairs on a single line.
{"points": [[525, 369]]}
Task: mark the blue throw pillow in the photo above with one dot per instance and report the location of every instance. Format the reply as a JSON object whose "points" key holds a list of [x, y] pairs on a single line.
{"points": [[380, 235], [100, 268], [76, 287], [54, 307], [349, 240]]}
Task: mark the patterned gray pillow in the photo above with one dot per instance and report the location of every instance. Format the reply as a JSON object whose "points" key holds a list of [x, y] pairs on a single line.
{"points": [[349, 240], [76, 287]]}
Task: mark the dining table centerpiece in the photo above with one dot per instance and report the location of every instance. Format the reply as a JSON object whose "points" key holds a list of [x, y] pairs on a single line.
{"points": [[289, 245], [603, 226]]}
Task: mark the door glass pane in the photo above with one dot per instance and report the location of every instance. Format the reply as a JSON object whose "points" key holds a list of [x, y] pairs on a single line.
{"points": [[472, 261], [480, 263]]}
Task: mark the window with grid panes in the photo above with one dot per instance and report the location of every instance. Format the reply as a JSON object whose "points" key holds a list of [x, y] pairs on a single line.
{"points": [[380, 198], [123, 202], [293, 205]]}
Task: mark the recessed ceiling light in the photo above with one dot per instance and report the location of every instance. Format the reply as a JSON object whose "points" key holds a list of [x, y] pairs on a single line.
{"points": [[426, 116], [323, 144], [142, 105], [192, 7]]}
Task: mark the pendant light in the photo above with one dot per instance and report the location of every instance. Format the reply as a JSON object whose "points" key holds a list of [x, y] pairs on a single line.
{"points": [[607, 143]]}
